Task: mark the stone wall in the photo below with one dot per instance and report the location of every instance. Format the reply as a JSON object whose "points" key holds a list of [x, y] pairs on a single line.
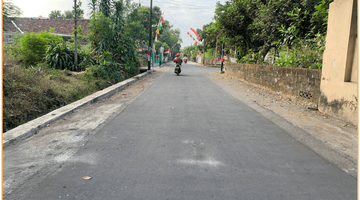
{"points": [[293, 81]]}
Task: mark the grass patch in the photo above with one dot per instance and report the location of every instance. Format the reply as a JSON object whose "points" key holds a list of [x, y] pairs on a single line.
{"points": [[30, 92]]}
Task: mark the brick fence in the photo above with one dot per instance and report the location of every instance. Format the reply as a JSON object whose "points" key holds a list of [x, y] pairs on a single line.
{"points": [[294, 81]]}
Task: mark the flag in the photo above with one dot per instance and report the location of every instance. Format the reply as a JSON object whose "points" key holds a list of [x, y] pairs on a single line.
{"points": [[162, 20], [167, 51], [156, 37], [157, 31], [159, 27]]}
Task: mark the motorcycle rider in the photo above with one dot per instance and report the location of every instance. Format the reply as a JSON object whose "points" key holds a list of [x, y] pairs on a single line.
{"points": [[178, 60], [185, 58]]}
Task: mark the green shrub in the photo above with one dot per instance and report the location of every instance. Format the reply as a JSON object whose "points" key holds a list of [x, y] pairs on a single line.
{"points": [[303, 54], [101, 32], [130, 70], [61, 56], [107, 70], [209, 54], [85, 60], [251, 58], [33, 46], [286, 60]]}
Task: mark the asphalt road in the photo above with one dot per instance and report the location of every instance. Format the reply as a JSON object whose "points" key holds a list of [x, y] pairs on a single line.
{"points": [[185, 138]]}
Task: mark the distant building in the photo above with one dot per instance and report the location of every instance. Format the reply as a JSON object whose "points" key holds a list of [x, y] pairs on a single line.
{"points": [[63, 27]]}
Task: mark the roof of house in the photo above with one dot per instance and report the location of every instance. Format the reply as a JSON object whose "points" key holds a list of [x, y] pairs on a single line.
{"points": [[62, 26]]}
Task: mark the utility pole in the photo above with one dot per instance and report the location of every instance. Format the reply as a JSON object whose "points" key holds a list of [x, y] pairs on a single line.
{"points": [[75, 19], [149, 52]]}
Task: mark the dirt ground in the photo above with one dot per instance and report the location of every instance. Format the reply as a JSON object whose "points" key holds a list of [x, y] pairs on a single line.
{"points": [[338, 136]]}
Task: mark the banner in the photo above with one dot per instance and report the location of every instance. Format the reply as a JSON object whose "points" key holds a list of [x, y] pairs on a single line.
{"points": [[197, 35]]}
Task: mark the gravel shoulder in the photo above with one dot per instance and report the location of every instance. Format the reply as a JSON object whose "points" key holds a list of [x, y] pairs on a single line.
{"points": [[333, 139]]}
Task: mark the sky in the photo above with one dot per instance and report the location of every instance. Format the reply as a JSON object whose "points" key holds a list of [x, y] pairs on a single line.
{"points": [[182, 14]]}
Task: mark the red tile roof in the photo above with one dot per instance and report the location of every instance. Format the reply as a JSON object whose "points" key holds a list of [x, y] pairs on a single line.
{"points": [[62, 26]]}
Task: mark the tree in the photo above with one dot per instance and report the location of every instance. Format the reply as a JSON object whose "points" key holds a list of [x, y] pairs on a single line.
{"points": [[93, 4], [116, 52], [319, 18], [68, 14], [117, 17], [56, 14], [79, 11], [105, 6], [134, 25], [100, 32], [10, 11], [127, 25], [234, 20], [138, 22]]}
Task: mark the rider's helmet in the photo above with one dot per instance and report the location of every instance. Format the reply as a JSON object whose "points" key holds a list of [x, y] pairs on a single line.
{"points": [[177, 55]]}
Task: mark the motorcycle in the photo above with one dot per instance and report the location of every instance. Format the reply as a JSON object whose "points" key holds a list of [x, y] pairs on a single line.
{"points": [[177, 69]]}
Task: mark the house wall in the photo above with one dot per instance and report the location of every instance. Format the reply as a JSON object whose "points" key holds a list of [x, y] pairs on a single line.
{"points": [[339, 77]]}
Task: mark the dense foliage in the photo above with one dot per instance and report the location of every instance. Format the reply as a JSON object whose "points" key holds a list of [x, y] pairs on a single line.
{"points": [[137, 28], [281, 32], [10, 10], [61, 56], [30, 48]]}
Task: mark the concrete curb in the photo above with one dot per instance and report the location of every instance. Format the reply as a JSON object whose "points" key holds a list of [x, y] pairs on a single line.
{"points": [[32, 127]]}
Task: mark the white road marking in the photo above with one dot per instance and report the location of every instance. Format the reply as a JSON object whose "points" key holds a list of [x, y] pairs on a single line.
{"points": [[209, 162]]}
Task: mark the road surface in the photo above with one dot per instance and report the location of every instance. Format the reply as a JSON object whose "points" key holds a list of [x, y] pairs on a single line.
{"points": [[185, 138]]}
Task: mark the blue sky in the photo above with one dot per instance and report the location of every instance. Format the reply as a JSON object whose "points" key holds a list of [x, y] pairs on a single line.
{"points": [[182, 14]]}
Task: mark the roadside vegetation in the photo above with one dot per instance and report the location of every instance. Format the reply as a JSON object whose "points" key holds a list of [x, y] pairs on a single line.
{"points": [[287, 33], [39, 71]]}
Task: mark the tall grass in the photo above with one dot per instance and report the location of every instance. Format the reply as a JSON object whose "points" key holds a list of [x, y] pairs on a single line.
{"points": [[30, 92]]}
